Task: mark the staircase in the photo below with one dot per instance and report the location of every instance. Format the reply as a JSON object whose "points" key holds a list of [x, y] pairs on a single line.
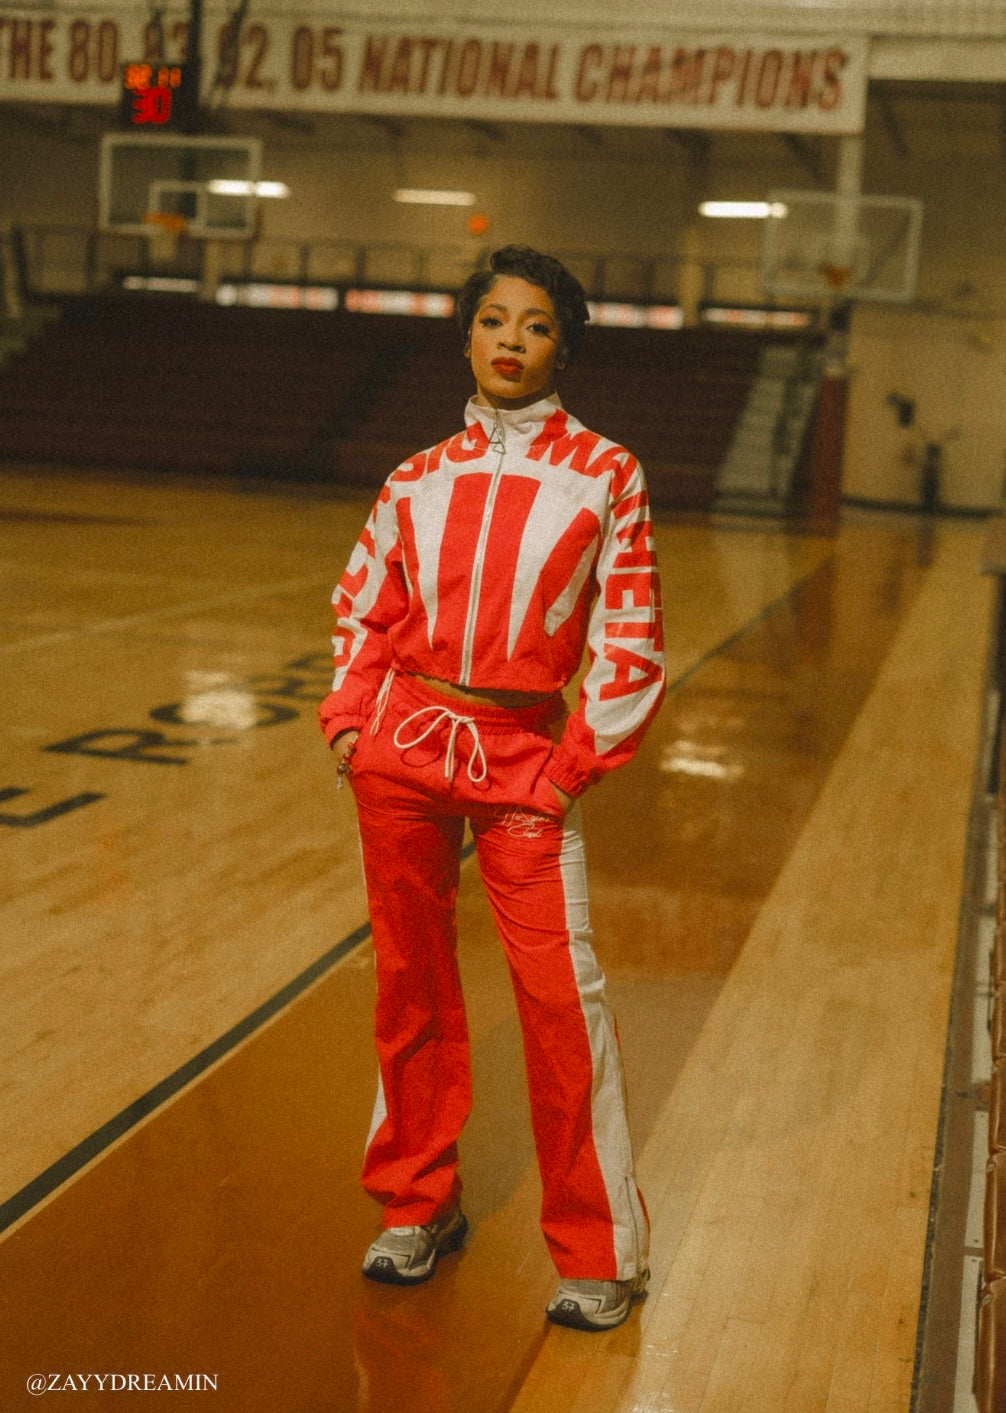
{"points": [[765, 450]]}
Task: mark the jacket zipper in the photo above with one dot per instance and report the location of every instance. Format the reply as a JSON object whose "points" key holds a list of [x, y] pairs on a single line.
{"points": [[497, 440]]}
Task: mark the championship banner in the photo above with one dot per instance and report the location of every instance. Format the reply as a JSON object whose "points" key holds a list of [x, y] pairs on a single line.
{"points": [[644, 77]]}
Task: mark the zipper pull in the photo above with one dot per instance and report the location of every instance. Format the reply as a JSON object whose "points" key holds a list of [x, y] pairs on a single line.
{"points": [[497, 441]]}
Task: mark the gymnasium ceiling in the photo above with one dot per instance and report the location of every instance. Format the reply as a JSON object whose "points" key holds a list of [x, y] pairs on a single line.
{"points": [[908, 123]]}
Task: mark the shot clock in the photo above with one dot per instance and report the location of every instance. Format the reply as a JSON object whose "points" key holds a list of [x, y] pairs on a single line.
{"points": [[159, 97]]}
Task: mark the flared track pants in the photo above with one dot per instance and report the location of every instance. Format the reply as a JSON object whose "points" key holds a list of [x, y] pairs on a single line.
{"points": [[425, 764]]}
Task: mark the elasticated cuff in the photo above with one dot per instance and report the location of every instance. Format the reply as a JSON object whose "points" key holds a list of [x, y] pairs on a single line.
{"points": [[333, 724], [569, 779]]}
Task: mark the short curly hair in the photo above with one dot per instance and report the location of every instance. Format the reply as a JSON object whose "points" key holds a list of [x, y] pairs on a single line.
{"points": [[549, 274]]}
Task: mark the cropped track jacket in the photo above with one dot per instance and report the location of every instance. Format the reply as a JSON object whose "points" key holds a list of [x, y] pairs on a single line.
{"points": [[492, 561]]}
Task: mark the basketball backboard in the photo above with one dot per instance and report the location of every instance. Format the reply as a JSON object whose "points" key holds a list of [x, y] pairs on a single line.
{"points": [[825, 247], [149, 183]]}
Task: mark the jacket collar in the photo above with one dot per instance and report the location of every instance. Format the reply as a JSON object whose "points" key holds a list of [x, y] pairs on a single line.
{"points": [[522, 421]]}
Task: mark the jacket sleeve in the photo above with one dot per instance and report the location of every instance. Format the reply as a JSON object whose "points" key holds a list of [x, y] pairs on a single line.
{"points": [[369, 598], [626, 678]]}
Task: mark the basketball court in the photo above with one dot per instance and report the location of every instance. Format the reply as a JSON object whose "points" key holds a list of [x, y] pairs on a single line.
{"points": [[794, 884], [777, 885]]}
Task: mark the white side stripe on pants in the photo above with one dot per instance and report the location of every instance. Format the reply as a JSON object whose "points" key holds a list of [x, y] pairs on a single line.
{"points": [[611, 1136]]}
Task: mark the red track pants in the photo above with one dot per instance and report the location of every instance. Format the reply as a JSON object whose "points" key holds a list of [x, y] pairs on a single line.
{"points": [[422, 766]]}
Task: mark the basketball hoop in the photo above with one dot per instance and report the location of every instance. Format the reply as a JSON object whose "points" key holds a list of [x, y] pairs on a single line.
{"points": [[835, 276], [832, 249], [163, 186], [168, 221]]}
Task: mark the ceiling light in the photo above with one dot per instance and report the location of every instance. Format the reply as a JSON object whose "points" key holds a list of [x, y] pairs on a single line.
{"points": [[743, 210], [236, 188], [422, 196]]}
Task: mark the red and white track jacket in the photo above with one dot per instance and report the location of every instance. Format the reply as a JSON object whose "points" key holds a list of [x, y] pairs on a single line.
{"points": [[491, 561]]}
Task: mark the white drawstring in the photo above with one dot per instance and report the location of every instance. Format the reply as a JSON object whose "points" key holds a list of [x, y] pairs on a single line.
{"points": [[381, 705], [440, 715]]}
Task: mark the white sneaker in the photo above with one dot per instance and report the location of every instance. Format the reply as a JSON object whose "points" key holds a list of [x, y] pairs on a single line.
{"points": [[409, 1255], [595, 1305]]}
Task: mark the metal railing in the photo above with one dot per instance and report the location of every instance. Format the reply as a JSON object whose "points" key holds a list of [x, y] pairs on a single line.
{"points": [[60, 261]]}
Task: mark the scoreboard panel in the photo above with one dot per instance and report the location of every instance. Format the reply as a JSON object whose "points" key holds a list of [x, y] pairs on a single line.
{"points": [[159, 96]]}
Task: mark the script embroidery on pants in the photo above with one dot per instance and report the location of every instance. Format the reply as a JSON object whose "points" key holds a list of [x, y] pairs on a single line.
{"points": [[524, 824]]}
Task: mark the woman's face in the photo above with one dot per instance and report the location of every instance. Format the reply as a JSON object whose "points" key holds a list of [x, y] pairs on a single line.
{"points": [[515, 344]]}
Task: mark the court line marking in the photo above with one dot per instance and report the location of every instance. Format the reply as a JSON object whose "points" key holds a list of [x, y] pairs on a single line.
{"points": [[9, 515], [102, 1138], [35, 1192], [157, 615]]}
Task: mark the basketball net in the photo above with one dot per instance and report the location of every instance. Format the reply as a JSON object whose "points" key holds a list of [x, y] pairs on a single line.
{"points": [[162, 231]]}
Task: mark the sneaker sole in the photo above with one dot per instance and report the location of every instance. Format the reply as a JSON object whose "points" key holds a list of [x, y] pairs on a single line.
{"points": [[571, 1317], [383, 1269]]}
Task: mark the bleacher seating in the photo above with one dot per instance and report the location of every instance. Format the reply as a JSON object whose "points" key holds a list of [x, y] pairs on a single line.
{"points": [[672, 398], [179, 386], [174, 385]]}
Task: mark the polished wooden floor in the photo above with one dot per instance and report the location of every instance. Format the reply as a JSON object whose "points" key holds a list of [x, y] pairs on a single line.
{"points": [[186, 981]]}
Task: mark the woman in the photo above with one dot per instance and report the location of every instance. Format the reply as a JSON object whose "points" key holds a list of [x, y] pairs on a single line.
{"points": [[489, 564]]}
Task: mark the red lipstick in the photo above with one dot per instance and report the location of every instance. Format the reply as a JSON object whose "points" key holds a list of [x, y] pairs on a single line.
{"points": [[508, 367]]}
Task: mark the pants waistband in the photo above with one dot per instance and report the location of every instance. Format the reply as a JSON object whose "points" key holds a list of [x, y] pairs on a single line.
{"points": [[492, 720]]}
